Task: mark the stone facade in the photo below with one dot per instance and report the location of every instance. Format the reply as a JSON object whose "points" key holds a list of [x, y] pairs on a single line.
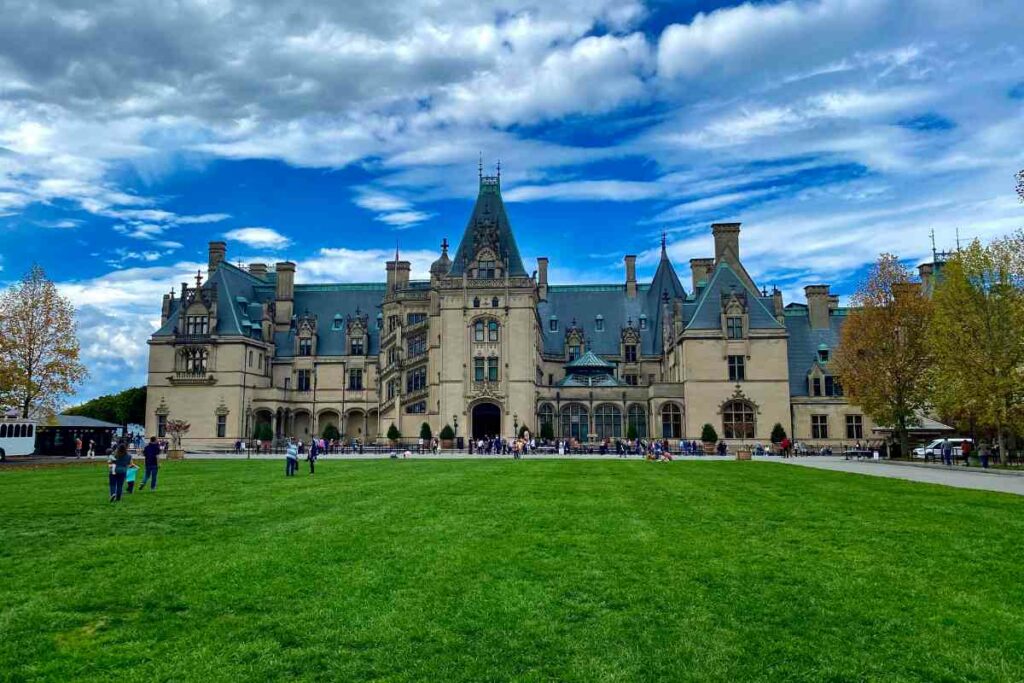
{"points": [[487, 348]]}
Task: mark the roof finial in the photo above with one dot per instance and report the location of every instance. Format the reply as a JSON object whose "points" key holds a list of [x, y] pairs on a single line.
{"points": [[480, 166], [499, 169], [396, 251], [444, 246], [664, 238], [199, 279]]}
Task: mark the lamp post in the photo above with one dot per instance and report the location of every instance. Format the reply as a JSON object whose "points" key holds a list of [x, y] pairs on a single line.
{"points": [[455, 425], [515, 425]]}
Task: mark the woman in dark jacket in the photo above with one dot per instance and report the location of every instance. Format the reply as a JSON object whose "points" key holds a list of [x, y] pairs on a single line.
{"points": [[118, 462]]}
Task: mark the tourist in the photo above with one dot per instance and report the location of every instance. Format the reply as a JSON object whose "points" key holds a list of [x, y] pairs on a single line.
{"points": [[118, 461], [947, 453], [151, 456], [291, 458], [78, 447], [92, 449], [314, 452], [986, 453], [129, 476], [965, 451]]}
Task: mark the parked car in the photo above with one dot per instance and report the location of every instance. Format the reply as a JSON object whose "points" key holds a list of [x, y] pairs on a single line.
{"points": [[934, 449]]}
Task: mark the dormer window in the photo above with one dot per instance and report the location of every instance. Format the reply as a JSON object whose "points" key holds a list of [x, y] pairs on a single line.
{"points": [[357, 346], [599, 323], [305, 346], [337, 324], [643, 322], [823, 355], [197, 324], [485, 270], [574, 352], [734, 327], [553, 324]]}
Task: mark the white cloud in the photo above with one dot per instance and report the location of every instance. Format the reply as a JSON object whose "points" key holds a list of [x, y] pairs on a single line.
{"points": [[599, 190], [359, 265], [258, 237], [403, 219]]}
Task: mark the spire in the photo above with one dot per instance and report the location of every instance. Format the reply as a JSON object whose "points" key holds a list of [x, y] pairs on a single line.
{"points": [[480, 167], [664, 250], [444, 246], [488, 231], [396, 252]]}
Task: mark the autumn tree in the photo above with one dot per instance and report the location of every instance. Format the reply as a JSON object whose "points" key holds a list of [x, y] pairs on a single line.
{"points": [[976, 335], [124, 408], [883, 354], [39, 353]]}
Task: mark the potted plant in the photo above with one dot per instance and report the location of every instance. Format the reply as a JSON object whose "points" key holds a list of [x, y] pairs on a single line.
{"points": [[631, 432], [176, 429], [709, 437], [447, 437], [331, 432], [547, 432], [394, 435], [425, 433]]}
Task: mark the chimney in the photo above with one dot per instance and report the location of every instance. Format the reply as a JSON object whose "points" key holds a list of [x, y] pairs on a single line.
{"points": [[542, 278], [817, 306], [285, 293], [677, 317], [927, 273], [700, 269], [218, 250], [631, 276], [833, 302], [727, 243], [258, 269], [165, 308], [780, 310], [402, 270]]}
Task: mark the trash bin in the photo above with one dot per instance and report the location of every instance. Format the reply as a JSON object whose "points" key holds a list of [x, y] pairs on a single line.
{"points": [[459, 443]]}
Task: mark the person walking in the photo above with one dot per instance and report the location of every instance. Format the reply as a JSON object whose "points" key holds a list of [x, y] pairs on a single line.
{"points": [[118, 462], [314, 452], [947, 453], [985, 452], [291, 458], [78, 447], [151, 456]]}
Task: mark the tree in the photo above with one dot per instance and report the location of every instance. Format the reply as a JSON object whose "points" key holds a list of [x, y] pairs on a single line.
{"points": [[883, 356], [547, 432], [263, 432], [425, 432], [976, 337], [39, 352], [778, 433], [330, 432], [708, 434], [631, 432], [177, 429], [393, 433], [447, 434], [124, 408]]}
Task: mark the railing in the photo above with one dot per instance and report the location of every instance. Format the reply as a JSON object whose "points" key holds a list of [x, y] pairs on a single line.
{"points": [[183, 377], [181, 338]]}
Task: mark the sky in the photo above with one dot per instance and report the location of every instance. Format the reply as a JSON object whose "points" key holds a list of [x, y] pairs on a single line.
{"points": [[328, 133]]}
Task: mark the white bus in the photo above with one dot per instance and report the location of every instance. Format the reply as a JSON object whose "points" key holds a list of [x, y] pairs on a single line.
{"points": [[17, 436]]}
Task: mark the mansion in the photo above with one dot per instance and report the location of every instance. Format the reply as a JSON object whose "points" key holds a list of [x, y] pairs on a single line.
{"points": [[487, 347]]}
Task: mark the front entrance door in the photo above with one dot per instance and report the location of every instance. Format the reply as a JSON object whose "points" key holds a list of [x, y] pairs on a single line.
{"points": [[486, 421]]}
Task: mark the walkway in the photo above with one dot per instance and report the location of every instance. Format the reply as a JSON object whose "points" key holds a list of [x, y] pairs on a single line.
{"points": [[959, 477]]}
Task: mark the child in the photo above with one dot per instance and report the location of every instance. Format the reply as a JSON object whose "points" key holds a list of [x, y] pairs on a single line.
{"points": [[129, 476]]}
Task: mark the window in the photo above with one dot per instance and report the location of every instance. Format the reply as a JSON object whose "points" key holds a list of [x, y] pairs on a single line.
{"points": [[734, 327], [492, 331], [575, 422], [259, 362], [671, 421], [599, 324], [222, 426], [479, 369], [394, 322], [631, 379], [193, 361], [287, 383], [336, 325], [494, 302], [737, 371], [637, 418], [416, 380], [551, 380], [643, 322], [485, 269], [414, 318], [391, 389], [161, 426], [823, 355], [819, 426], [574, 352], [816, 386], [478, 331], [854, 427], [608, 422], [417, 346], [546, 418], [250, 358], [832, 386], [553, 324], [492, 369], [650, 378], [305, 346], [416, 408], [380, 321], [197, 324], [357, 346], [476, 302], [302, 380], [630, 353], [355, 379], [738, 420]]}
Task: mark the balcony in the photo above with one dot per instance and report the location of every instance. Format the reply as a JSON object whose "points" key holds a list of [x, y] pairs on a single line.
{"points": [[201, 338], [182, 378]]}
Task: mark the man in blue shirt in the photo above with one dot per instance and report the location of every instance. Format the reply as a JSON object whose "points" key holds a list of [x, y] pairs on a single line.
{"points": [[152, 455]]}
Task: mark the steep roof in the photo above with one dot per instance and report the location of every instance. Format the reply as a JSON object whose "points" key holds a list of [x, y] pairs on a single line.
{"points": [[707, 315], [589, 361], [488, 226], [805, 342]]}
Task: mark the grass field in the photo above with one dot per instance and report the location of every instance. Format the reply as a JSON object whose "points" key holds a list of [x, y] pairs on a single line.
{"points": [[498, 570]]}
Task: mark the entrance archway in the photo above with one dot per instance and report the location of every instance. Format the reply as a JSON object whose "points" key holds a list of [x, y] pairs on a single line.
{"points": [[486, 420]]}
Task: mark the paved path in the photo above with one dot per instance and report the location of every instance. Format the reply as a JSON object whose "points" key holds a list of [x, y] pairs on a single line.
{"points": [[1003, 482]]}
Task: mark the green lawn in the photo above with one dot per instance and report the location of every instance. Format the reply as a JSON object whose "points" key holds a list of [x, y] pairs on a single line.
{"points": [[498, 570]]}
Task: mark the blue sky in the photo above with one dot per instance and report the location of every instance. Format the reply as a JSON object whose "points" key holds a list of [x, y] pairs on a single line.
{"points": [[133, 133]]}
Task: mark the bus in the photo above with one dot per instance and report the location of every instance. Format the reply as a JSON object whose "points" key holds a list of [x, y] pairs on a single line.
{"points": [[17, 436]]}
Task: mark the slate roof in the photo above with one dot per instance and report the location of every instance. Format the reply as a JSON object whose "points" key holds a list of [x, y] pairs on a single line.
{"points": [[589, 371], [590, 362], [724, 280], [804, 343], [585, 303], [77, 422], [488, 213]]}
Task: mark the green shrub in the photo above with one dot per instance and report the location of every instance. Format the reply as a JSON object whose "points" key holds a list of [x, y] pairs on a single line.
{"points": [[547, 431], [778, 433], [425, 432], [263, 432], [330, 432], [708, 434], [447, 433], [393, 433], [631, 432]]}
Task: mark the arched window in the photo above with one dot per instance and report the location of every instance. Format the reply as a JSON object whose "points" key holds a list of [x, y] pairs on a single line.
{"points": [[637, 417], [478, 331], [494, 302], [607, 421], [671, 421], [476, 302], [492, 331], [738, 420], [574, 422], [546, 416]]}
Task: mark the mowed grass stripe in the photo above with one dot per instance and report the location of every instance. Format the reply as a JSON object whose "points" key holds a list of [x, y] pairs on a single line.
{"points": [[499, 570]]}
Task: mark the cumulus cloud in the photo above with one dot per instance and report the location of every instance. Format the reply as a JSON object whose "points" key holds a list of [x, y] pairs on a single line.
{"points": [[258, 237], [340, 264]]}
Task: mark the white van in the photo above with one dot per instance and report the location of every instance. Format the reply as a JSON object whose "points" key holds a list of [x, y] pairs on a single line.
{"points": [[17, 436], [933, 451]]}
